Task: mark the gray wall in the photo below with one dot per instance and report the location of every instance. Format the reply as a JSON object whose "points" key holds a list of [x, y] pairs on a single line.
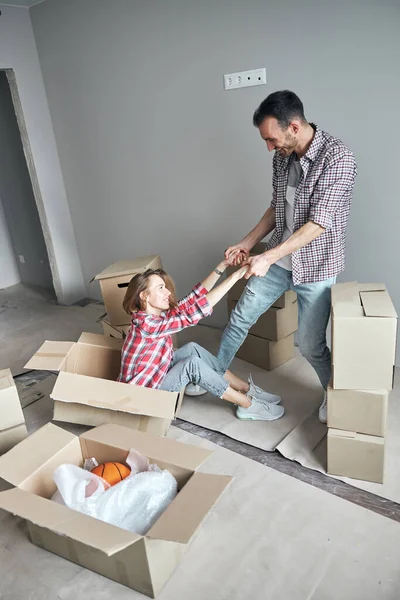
{"points": [[157, 157], [9, 274], [17, 198]]}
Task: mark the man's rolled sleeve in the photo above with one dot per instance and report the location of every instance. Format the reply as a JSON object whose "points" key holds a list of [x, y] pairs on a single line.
{"points": [[333, 190]]}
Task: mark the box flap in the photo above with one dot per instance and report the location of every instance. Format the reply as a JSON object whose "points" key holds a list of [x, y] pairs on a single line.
{"points": [[67, 522], [95, 339], [184, 515], [126, 267], [50, 356], [372, 287], [152, 446], [6, 379], [377, 304], [346, 300], [341, 433], [114, 395], [30, 454]]}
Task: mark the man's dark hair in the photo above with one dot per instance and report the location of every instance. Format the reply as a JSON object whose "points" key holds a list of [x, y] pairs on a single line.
{"points": [[283, 105]]}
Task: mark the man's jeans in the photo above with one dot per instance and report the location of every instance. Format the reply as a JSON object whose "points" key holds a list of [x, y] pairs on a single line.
{"points": [[314, 309], [194, 364]]}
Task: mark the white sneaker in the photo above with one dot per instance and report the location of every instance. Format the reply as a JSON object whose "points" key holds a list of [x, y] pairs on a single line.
{"points": [[260, 394], [323, 410], [260, 411], [192, 389]]}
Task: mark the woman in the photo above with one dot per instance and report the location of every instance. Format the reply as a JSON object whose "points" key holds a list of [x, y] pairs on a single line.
{"points": [[148, 358]]}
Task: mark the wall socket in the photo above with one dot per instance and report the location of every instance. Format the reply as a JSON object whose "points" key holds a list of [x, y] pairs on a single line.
{"points": [[21, 258], [233, 81]]}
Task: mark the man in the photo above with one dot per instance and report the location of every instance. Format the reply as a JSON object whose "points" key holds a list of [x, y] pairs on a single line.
{"points": [[313, 179]]}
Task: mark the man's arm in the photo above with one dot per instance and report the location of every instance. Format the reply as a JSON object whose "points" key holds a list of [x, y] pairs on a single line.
{"points": [[259, 265], [333, 189], [240, 251]]}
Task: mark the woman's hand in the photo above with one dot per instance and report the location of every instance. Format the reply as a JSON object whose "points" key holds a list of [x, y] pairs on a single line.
{"points": [[236, 255]]}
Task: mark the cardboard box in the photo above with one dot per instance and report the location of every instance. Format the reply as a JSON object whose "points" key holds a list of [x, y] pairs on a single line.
{"points": [[275, 324], [364, 326], [12, 436], [266, 354], [143, 563], [363, 411], [12, 421], [117, 332], [356, 455], [87, 391], [115, 279]]}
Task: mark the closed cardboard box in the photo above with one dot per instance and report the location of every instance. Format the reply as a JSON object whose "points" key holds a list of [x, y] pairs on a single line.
{"points": [[114, 281], [364, 328], [356, 455], [87, 391], [363, 411], [275, 324], [141, 562], [12, 421], [266, 354]]}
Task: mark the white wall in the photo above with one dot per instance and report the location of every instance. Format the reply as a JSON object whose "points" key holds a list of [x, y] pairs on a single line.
{"points": [[18, 52], [9, 274], [157, 157]]}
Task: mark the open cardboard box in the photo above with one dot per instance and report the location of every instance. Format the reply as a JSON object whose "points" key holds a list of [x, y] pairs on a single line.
{"points": [[115, 279], [12, 421], [143, 563], [87, 391], [364, 327]]}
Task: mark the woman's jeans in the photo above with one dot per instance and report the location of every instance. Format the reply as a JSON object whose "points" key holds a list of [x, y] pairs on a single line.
{"points": [[194, 364]]}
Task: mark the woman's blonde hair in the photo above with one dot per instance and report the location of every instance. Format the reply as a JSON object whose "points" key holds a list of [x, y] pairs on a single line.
{"points": [[139, 283]]}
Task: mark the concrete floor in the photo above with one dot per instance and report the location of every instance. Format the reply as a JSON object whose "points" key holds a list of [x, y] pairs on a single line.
{"points": [[33, 393]]}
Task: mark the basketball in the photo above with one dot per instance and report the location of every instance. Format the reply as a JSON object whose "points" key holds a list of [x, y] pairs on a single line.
{"points": [[112, 472]]}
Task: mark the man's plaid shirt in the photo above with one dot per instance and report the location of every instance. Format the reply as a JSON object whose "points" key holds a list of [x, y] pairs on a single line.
{"points": [[323, 195], [147, 351]]}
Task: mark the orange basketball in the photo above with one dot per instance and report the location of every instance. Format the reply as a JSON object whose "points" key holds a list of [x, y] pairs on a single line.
{"points": [[112, 472]]}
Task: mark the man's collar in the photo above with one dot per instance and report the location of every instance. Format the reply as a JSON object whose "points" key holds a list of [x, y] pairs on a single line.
{"points": [[315, 144]]}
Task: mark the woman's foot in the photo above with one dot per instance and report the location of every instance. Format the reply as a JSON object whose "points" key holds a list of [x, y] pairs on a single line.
{"points": [[260, 411], [260, 394]]}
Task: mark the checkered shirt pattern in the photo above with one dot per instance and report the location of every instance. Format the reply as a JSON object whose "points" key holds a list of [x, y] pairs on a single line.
{"points": [[323, 196], [147, 351]]}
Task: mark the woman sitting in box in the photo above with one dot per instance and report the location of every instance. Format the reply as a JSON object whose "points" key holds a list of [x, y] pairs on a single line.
{"points": [[148, 358]]}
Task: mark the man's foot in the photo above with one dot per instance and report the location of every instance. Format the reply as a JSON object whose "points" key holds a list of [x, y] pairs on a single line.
{"points": [[323, 410], [260, 394], [192, 389], [260, 411]]}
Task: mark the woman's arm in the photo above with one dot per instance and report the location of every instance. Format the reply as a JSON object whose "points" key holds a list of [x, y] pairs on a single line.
{"points": [[223, 288], [213, 277]]}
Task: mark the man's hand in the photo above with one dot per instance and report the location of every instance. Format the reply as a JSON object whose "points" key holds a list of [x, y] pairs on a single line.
{"points": [[236, 255], [259, 265]]}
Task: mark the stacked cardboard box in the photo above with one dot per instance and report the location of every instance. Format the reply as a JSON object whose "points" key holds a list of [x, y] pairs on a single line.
{"points": [[270, 341], [141, 562], [364, 328], [114, 281], [12, 422]]}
